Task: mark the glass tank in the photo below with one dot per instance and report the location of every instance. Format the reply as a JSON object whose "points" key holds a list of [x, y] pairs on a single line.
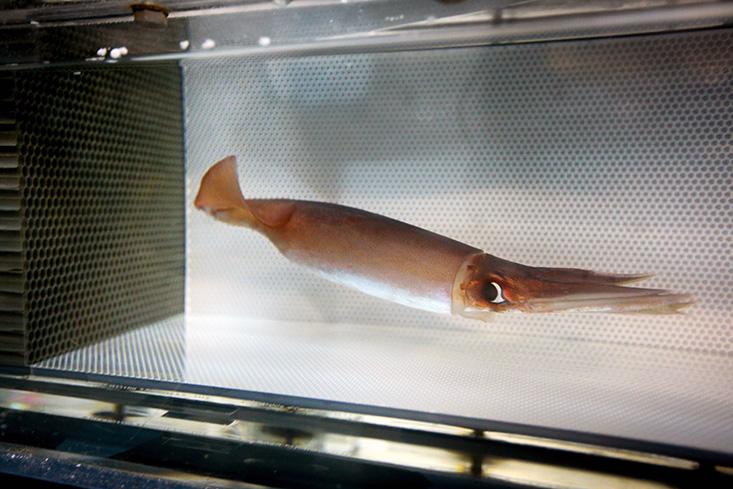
{"points": [[144, 341]]}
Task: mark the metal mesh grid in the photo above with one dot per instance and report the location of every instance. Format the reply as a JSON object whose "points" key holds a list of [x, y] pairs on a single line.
{"points": [[100, 157], [156, 352], [611, 155]]}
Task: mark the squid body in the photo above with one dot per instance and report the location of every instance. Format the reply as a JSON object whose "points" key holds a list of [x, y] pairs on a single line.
{"points": [[402, 263]]}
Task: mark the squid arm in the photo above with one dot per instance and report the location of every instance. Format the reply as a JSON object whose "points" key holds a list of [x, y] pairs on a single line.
{"points": [[402, 263]]}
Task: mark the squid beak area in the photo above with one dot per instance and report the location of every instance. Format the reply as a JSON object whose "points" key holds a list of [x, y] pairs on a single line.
{"points": [[598, 293]]}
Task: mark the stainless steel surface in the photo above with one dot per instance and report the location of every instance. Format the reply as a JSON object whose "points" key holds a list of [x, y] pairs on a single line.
{"points": [[130, 424], [45, 32]]}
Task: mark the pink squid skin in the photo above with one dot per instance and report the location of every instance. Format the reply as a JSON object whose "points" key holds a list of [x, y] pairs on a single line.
{"points": [[381, 256], [402, 263]]}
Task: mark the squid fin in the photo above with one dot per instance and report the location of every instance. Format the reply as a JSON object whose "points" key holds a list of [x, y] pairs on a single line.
{"points": [[219, 188], [221, 196]]}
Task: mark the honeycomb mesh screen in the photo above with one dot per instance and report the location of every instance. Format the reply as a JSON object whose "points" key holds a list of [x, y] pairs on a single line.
{"points": [[608, 154], [101, 154]]}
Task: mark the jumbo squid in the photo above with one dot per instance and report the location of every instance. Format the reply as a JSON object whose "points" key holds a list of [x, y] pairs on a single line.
{"points": [[402, 263]]}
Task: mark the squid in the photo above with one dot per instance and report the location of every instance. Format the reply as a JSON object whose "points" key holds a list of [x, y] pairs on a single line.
{"points": [[396, 261]]}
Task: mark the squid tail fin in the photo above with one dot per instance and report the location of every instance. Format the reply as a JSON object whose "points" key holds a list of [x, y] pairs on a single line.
{"points": [[221, 197]]}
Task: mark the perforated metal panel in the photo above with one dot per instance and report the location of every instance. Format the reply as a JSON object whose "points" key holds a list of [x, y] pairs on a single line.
{"points": [[612, 155], [609, 155], [156, 351], [102, 185]]}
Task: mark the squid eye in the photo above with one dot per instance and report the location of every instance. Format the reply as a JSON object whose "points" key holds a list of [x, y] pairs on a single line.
{"points": [[492, 292]]}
